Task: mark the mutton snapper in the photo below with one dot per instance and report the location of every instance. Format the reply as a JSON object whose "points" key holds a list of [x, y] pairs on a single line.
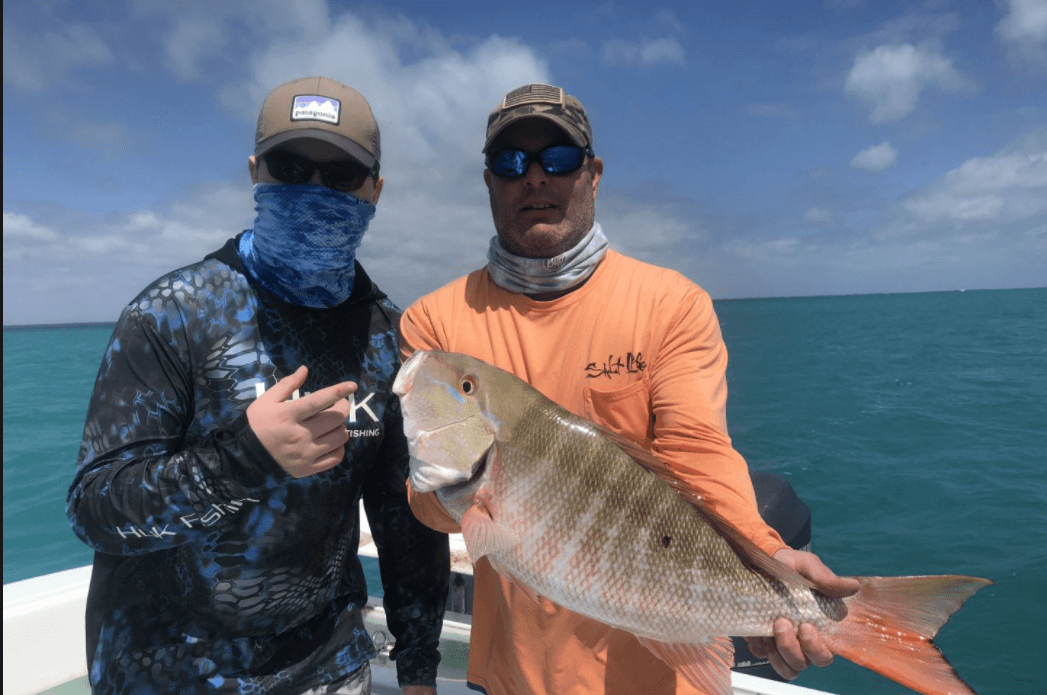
{"points": [[561, 507]]}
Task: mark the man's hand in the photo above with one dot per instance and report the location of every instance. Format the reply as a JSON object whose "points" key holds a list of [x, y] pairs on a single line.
{"points": [[306, 435], [790, 650], [419, 690]]}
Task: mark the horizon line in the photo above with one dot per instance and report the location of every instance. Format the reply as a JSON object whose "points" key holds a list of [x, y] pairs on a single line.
{"points": [[100, 324]]}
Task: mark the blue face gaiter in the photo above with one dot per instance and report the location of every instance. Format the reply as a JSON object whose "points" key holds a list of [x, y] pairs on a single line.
{"points": [[303, 244]]}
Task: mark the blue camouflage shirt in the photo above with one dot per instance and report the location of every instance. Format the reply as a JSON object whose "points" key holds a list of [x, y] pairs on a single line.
{"points": [[214, 570]]}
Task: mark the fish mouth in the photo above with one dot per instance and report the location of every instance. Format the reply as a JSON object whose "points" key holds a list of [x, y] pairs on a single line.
{"points": [[465, 487], [415, 433]]}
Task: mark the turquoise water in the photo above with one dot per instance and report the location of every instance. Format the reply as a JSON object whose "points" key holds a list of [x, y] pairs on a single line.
{"points": [[913, 425]]}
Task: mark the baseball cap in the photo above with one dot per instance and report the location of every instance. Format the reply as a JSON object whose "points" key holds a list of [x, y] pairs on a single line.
{"points": [[541, 101], [320, 108]]}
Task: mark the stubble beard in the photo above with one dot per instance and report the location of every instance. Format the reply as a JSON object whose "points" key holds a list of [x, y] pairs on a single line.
{"points": [[549, 243]]}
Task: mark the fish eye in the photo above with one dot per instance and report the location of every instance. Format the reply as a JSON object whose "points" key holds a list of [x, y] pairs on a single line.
{"points": [[467, 385]]}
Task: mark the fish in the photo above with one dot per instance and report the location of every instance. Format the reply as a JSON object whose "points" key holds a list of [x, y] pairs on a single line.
{"points": [[594, 522]]}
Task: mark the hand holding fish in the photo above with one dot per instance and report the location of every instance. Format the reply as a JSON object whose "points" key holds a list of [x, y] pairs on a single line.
{"points": [[305, 435], [793, 648]]}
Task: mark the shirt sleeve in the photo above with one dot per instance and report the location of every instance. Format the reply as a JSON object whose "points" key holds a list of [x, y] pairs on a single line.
{"points": [[689, 399], [137, 489], [414, 560]]}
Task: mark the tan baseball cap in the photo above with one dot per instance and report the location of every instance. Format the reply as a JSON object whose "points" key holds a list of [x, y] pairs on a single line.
{"points": [[541, 101], [320, 108]]}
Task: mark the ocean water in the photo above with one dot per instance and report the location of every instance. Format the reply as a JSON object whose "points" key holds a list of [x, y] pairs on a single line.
{"points": [[913, 425]]}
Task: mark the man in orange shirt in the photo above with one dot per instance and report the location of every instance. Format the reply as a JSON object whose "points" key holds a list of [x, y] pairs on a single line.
{"points": [[633, 347]]}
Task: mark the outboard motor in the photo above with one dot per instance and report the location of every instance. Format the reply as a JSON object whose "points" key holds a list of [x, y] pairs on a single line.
{"points": [[791, 518]]}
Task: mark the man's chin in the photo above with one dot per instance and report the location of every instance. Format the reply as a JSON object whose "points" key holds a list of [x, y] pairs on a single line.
{"points": [[538, 241]]}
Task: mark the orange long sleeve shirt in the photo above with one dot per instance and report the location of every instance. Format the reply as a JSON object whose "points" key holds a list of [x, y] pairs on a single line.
{"points": [[636, 349]]}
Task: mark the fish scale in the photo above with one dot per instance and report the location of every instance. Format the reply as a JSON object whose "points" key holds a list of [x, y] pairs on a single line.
{"points": [[598, 525], [619, 570]]}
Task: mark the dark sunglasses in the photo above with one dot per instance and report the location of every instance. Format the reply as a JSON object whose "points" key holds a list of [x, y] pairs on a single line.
{"points": [[341, 176], [555, 160]]}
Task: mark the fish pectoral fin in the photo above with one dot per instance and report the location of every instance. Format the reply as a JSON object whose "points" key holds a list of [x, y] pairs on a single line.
{"points": [[706, 667], [482, 533]]}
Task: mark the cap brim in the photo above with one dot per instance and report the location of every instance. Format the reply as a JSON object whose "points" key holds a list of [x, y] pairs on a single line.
{"points": [[352, 148], [576, 135]]}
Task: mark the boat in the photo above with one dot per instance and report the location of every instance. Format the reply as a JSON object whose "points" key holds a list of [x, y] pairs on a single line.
{"points": [[44, 636]]}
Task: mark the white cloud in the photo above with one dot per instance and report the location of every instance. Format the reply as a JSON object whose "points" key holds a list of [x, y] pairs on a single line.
{"points": [[1024, 29], [181, 234], [646, 52], [191, 40], [818, 215], [1002, 188], [33, 61], [665, 50], [24, 237], [891, 77], [21, 227], [876, 158], [791, 267], [1001, 197], [646, 231], [143, 221], [982, 224], [769, 251], [82, 268], [195, 35], [102, 137]]}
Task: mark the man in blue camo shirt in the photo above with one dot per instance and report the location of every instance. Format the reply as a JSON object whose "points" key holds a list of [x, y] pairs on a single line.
{"points": [[241, 411]]}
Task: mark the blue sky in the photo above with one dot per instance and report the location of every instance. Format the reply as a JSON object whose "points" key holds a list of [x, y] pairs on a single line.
{"points": [[760, 148]]}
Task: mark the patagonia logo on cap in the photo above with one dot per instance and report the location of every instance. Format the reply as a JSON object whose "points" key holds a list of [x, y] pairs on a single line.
{"points": [[316, 108]]}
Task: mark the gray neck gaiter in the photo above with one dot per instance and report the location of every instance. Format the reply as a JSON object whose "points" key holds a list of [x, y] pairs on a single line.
{"points": [[541, 275]]}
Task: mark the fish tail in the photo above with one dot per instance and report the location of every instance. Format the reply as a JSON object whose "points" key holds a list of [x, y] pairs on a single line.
{"points": [[890, 623]]}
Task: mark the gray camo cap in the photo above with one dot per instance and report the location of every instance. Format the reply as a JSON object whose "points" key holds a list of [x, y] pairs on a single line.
{"points": [[541, 101]]}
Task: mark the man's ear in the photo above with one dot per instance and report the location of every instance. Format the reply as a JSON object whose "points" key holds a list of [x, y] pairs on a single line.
{"points": [[378, 185], [487, 178], [596, 170], [252, 168]]}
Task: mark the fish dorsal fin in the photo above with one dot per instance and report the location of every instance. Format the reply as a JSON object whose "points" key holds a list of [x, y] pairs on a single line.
{"points": [[751, 555], [706, 666]]}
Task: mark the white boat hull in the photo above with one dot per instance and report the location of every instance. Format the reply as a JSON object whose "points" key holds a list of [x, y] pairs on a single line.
{"points": [[45, 653]]}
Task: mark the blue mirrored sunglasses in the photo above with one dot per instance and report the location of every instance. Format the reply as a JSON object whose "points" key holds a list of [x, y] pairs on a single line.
{"points": [[558, 159]]}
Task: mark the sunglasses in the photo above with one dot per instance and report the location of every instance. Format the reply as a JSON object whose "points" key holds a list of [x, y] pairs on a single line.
{"points": [[555, 160], [341, 176]]}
